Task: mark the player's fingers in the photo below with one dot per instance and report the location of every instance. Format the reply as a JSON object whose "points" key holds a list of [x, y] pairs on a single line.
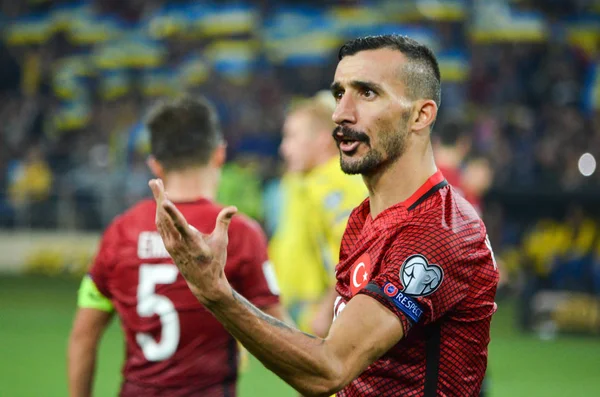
{"points": [[166, 227], [223, 221], [158, 190], [177, 219], [164, 224]]}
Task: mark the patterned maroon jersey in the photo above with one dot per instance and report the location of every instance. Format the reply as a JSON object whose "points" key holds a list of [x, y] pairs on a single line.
{"points": [[429, 261], [174, 346]]}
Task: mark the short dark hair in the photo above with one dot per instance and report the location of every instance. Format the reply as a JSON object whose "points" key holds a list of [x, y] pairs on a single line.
{"points": [[184, 132], [421, 73]]}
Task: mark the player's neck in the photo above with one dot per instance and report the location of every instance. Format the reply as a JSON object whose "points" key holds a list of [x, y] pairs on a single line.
{"points": [[192, 184], [400, 180]]}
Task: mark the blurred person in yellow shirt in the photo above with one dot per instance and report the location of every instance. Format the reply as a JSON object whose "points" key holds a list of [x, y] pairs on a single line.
{"points": [[317, 198], [31, 180], [29, 190]]}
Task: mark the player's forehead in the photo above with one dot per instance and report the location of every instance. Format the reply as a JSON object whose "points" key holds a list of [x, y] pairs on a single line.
{"points": [[296, 122], [382, 66]]}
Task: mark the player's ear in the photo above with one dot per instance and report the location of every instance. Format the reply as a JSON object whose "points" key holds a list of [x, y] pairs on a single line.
{"points": [[423, 115], [219, 155], [155, 167]]}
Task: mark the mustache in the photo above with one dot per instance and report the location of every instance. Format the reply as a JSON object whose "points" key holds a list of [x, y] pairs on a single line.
{"points": [[343, 132]]}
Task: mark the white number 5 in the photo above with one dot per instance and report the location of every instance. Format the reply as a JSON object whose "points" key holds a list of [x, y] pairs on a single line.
{"points": [[149, 304]]}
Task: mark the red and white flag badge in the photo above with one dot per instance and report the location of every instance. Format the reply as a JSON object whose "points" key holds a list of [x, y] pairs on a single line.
{"points": [[360, 273]]}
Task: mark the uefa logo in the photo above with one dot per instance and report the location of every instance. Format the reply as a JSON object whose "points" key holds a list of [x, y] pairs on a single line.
{"points": [[419, 277], [390, 290]]}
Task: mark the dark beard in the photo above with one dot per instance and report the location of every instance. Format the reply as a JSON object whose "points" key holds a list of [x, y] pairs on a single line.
{"points": [[369, 164], [374, 161]]}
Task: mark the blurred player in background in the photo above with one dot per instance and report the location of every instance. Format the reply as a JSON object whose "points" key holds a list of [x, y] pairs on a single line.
{"points": [[174, 346], [317, 200], [477, 177], [450, 147], [469, 173], [417, 276]]}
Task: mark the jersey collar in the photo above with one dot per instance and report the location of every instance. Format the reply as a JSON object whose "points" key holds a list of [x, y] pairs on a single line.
{"points": [[399, 212], [434, 183]]}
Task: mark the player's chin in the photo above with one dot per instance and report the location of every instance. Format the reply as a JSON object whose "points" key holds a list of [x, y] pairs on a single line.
{"points": [[351, 164]]}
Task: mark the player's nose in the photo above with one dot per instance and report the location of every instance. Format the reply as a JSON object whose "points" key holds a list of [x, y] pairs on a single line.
{"points": [[345, 111]]}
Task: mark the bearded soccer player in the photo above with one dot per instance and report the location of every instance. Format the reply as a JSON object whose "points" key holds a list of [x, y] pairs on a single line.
{"points": [[416, 278], [174, 346]]}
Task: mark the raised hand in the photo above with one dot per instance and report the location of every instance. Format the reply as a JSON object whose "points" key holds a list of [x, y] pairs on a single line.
{"points": [[200, 258]]}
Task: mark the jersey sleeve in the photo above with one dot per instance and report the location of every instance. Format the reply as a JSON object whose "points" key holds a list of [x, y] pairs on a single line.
{"points": [[256, 278], [105, 259], [427, 273], [89, 297]]}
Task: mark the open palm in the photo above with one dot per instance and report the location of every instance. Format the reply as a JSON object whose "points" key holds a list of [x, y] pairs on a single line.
{"points": [[200, 257]]}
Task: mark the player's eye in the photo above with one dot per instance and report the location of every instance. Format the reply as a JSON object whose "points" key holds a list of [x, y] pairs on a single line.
{"points": [[368, 93], [338, 94]]}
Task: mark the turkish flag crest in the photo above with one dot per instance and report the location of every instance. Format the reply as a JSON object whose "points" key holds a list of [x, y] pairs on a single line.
{"points": [[360, 273]]}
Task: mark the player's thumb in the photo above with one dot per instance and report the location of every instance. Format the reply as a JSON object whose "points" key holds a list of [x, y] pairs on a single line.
{"points": [[223, 221]]}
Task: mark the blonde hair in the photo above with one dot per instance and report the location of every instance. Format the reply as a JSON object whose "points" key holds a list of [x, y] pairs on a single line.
{"points": [[320, 107]]}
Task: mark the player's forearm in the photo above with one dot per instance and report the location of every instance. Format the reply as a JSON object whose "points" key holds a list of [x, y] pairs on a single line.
{"points": [[278, 312], [300, 359], [88, 326], [81, 366]]}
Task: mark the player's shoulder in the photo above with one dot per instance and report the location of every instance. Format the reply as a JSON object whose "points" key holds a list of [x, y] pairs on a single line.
{"points": [[246, 238], [356, 220], [445, 206], [446, 217], [244, 222], [241, 224], [244, 229], [143, 208], [141, 213], [361, 211], [135, 211]]}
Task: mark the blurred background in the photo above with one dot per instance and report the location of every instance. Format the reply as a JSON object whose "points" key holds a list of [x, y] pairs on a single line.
{"points": [[519, 128]]}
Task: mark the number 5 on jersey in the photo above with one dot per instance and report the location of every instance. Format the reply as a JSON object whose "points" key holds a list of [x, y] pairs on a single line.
{"points": [[149, 303]]}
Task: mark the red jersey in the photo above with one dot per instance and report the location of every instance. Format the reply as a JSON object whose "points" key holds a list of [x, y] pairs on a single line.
{"points": [[429, 261], [174, 346]]}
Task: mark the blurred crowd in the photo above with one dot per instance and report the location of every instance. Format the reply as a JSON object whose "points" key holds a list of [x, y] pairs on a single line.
{"points": [[556, 269], [520, 78]]}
